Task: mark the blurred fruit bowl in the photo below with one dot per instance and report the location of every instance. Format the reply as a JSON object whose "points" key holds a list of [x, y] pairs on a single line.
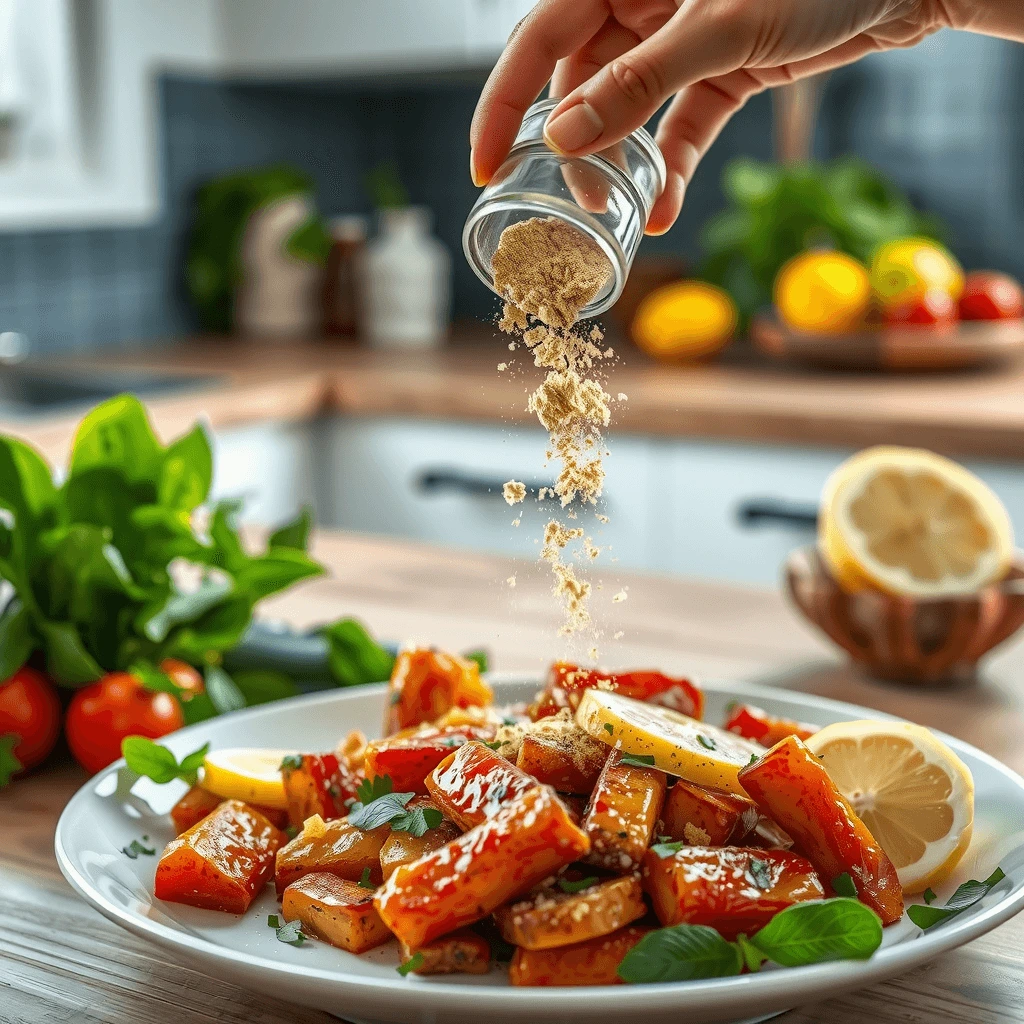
{"points": [[924, 642]]}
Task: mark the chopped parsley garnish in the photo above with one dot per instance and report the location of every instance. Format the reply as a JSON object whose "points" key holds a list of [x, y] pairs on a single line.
{"points": [[609, 728], [418, 821], [493, 744], [753, 758], [364, 882], [584, 883], [929, 895], [378, 805], [842, 885], [664, 850], [291, 762], [134, 848], [966, 896], [291, 933], [414, 963], [706, 742], [760, 871], [638, 760], [507, 720]]}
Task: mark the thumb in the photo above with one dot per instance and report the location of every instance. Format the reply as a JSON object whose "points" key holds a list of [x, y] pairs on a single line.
{"points": [[701, 40]]}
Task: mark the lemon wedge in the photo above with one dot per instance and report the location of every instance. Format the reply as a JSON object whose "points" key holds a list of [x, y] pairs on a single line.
{"points": [[241, 773], [913, 793], [912, 523], [694, 751]]}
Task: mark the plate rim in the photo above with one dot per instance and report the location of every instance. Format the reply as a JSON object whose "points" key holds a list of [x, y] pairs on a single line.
{"points": [[782, 987]]}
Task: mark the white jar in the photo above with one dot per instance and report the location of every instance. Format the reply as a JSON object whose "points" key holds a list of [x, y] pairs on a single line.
{"points": [[406, 283]]}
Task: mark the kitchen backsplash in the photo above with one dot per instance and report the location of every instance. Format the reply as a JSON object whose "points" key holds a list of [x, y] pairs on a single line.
{"points": [[943, 120]]}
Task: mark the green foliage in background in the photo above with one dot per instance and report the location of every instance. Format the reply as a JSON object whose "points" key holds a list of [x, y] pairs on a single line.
{"points": [[223, 209], [110, 571], [776, 211], [384, 187]]}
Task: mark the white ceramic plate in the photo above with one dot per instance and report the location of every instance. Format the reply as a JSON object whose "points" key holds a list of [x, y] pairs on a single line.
{"points": [[99, 821]]}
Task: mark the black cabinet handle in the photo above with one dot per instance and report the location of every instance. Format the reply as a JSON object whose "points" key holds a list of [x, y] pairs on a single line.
{"points": [[773, 512], [455, 481]]}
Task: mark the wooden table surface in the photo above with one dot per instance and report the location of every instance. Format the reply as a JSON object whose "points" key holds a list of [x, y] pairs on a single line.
{"points": [[62, 963]]}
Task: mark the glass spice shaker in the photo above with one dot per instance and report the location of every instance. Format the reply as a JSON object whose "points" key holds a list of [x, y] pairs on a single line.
{"points": [[607, 195]]}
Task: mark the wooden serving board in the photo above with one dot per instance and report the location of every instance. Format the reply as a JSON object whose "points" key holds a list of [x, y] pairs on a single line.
{"points": [[967, 344]]}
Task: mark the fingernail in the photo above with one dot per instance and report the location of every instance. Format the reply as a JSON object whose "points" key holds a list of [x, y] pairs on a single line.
{"points": [[478, 178], [574, 128]]}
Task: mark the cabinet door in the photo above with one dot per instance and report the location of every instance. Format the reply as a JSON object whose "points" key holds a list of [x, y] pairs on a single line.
{"points": [[441, 482]]}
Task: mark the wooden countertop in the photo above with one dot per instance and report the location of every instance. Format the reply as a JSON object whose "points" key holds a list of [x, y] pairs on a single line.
{"points": [[973, 414], [60, 961]]}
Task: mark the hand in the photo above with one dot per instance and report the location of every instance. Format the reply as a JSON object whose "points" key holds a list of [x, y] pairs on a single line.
{"points": [[616, 62]]}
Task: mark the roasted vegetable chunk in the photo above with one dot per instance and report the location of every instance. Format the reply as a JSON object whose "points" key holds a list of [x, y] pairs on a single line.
{"points": [[558, 753], [724, 818], [197, 803], [550, 917], [567, 683], [791, 785], [462, 952], [335, 847], [425, 684], [756, 724], [587, 963], [460, 883], [471, 783], [729, 888], [221, 862], [622, 814], [409, 759], [317, 784], [403, 847], [339, 912]]}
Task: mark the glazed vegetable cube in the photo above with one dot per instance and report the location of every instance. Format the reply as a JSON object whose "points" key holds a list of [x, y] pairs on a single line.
{"points": [[426, 683], [408, 760], [403, 847], [460, 883], [550, 917], [472, 782], [221, 862], [756, 724], [339, 912], [195, 805], [558, 753], [461, 952], [792, 786], [729, 888], [724, 818], [622, 814], [594, 962], [317, 784], [333, 846]]}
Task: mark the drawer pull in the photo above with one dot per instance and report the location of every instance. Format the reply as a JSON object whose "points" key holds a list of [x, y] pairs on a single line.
{"points": [[773, 512], [454, 481]]}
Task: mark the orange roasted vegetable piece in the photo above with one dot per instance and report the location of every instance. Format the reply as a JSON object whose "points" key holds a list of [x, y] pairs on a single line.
{"points": [[756, 724], [791, 785], [426, 683], [221, 862], [333, 846], [460, 883], [403, 847], [567, 683], [729, 888], [339, 912], [471, 784], [550, 917], [462, 952], [595, 962], [726, 819], [558, 753], [197, 803], [321, 784], [622, 814], [408, 760]]}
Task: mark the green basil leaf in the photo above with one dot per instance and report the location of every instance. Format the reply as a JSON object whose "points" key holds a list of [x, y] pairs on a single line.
{"points": [[16, 641], [260, 686], [380, 811], [752, 956], [26, 483], [153, 760], [417, 822], [187, 471], [842, 885], [179, 609], [684, 952], [373, 789], [225, 695], [117, 435], [191, 763], [9, 764], [277, 570], [198, 708], [228, 551], [965, 896], [67, 659], [217, 630], [820, 930], [294, 534], [354, 656]]}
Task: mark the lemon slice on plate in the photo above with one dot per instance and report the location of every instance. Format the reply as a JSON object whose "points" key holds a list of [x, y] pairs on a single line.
{"points": [[695, 751], [913, 793], [245, 773], [909, 522]]}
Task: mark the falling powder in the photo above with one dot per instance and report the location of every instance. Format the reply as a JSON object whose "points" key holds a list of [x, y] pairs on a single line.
{"points": [[620, 597], [514, 491], [511, 581]]}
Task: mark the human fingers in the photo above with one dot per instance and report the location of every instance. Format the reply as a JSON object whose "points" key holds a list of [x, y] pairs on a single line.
{"points": [[610, 41], [552, 30]]}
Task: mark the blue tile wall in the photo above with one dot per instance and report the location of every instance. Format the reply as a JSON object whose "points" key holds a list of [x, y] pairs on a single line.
{"points": [[942, 119]]}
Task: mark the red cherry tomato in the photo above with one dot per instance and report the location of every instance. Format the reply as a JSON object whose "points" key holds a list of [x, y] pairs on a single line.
{"points": [[30, 710], [102, 714], [184, 676], [989, 295], [935, 308]]}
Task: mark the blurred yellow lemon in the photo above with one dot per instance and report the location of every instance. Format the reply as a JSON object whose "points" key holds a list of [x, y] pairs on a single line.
{"points": [[909, 522], [828, 292], [908, 268], [248, 774], [684, 320], [913, 793]]}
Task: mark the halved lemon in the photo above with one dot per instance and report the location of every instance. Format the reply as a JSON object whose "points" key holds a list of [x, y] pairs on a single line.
{"points": [[913, 793], [243, 773], [694, 751], [912, 523]]}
